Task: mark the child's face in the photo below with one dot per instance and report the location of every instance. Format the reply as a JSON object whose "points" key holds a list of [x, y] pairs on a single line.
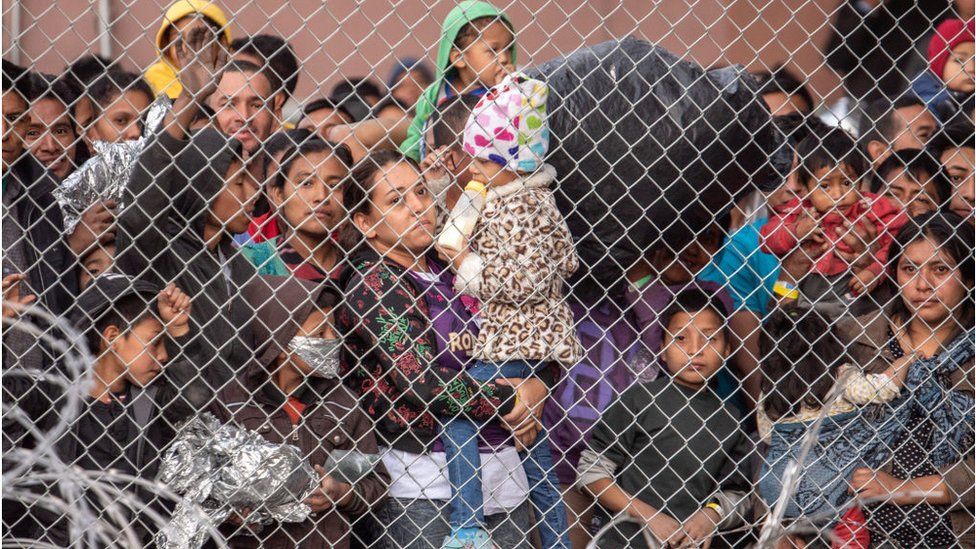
{"points": [[311, 199], [695, 347], [833, 189], [121, 120], [233, 205], [959, 163], [141, 351], [96, 262], [488, 58], [958, 71]]}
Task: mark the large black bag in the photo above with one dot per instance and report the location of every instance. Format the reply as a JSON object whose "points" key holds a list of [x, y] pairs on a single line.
{"points": [[648, 147]]}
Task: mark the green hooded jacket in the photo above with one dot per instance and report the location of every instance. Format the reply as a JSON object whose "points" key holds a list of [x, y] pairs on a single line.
{"points": [[461, 15]]}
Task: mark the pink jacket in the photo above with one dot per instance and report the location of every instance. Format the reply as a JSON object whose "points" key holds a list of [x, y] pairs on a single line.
{"points": [[779, 235]]}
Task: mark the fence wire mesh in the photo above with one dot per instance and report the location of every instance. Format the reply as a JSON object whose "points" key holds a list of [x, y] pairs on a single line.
{"points": [[544, 274]]}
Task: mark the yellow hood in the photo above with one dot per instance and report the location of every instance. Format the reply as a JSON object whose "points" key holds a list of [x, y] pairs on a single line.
{"points": [[182, 8]]}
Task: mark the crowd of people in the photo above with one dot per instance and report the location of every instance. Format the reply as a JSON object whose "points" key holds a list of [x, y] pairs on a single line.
{"points": [[285, 274]]}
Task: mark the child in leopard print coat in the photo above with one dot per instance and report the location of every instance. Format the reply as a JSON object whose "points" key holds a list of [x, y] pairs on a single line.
{"points": [[518, 260]]}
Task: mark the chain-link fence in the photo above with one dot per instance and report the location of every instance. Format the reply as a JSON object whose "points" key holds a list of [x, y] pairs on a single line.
{"points": [[532, 274]]}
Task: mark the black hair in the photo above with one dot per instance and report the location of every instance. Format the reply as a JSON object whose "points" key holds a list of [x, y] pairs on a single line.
{"points": [[800, 353], [351, 96], [16, 78], [279, 141], [952, 235], [476, 26], [310, 146], [113, 84], [361, 86], [920, 165], [358, 188], [324, 103], [956, 135], [124, 314], [693, 300], [89, 68], [797, 126], [44, 86], [781, 80], [878, 121], [246, 67], [830, 150], [449, 118], [278, 55]]}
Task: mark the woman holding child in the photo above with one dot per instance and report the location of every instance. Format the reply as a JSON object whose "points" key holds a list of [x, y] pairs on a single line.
{"points": [[931, 268], [411, 336]]}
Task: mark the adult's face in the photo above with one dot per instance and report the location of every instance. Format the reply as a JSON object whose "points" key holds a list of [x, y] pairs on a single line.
{"points": [[410, 87], [242, 102], [959, 164], [908, 193], [122, 119], [401, 215], [916, 125], [232, 207], [51, 136], [931, 286], [310, 201], [15, 122]]}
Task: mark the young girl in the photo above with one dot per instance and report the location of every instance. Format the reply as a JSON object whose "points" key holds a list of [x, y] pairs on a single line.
{"points": [[292, 392], [803, 371], [829, 171], [306, 198], [517, 265]]}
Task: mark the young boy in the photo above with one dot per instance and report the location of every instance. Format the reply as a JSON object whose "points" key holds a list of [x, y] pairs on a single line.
{"points": [[830, 170], [670, 453], [119, 99], [476, 52], [517, 265], [184, 202], [136, 396]]}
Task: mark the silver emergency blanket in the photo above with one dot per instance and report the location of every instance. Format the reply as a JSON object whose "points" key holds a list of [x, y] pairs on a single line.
{"points": [[222, 468], [105, 175]]}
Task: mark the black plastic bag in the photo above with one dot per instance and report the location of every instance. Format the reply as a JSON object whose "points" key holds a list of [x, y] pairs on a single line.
{"points": [[649, 148]]}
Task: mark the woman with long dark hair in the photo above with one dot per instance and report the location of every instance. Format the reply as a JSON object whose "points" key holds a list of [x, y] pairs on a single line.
{"points": [[931, 273]]}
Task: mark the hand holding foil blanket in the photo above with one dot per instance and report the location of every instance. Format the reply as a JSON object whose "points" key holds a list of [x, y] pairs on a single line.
{"points": [[225, 467], [105, 175]]}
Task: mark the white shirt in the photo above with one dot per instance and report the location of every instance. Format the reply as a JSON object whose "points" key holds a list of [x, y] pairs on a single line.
{"points": [[424, 476]]}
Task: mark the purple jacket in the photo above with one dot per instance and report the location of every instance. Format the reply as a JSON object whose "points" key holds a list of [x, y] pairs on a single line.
{"points": [[455, 326], [589, 387]]}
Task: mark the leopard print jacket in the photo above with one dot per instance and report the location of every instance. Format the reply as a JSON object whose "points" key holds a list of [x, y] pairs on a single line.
{"points": [[521, 255]]}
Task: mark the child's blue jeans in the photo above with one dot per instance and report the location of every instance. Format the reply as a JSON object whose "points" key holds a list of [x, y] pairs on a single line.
{"points": [[460, 440]]}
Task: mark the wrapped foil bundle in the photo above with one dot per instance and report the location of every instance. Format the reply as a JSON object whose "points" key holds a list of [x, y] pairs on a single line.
{"points": [[105, 175], [350, 466], [222, 468]]}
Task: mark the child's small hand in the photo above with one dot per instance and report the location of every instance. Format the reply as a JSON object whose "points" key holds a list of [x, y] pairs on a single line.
{"points": [[863, 282], [807, 226], [174, 311], [329, 493], [698, 527], [666, 529], [432, 166], [11, 294]]}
